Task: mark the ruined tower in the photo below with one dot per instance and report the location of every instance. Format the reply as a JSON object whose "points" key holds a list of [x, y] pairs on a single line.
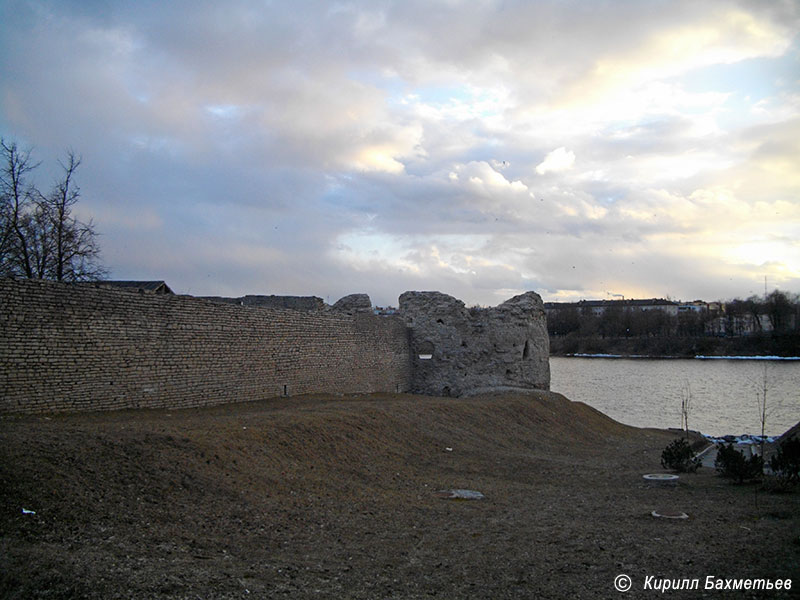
{"points": [[459, 351]]}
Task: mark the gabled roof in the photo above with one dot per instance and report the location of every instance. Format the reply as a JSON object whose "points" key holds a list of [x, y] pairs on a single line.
{"points": [[157, 287]]}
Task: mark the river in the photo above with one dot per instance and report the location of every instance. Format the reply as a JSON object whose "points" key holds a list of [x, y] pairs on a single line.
{"points": [[647, 392]]}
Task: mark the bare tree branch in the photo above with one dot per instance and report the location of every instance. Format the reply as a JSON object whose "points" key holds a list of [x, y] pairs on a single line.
{"points": [[40, 237], [17, 201]]}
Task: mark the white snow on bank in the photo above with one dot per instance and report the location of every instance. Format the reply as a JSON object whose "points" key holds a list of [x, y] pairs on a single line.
{"points": [[702, 357], [740, 439], [579, 355], [698, 357]]}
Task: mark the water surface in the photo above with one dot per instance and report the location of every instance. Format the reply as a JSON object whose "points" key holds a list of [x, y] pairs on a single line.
{"points": [[647, 392]]}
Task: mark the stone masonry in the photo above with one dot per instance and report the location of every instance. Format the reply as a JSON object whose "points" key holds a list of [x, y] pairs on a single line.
{"points": [[68, 347], [80, 347], [459, 351]]}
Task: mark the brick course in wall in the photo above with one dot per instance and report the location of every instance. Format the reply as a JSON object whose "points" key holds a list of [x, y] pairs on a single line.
{"points": [[76, 347]]}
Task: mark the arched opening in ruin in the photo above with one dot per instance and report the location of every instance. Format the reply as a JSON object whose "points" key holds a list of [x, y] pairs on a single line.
{"points": [[526, 351], [425, 350]]}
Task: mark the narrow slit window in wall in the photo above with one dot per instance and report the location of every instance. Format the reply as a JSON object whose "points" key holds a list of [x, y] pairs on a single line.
{"points": [[425, 351], [526, 351]]}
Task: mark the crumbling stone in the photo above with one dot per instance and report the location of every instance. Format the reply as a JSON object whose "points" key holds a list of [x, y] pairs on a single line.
{"points": [[354, 303], [459, 351]]}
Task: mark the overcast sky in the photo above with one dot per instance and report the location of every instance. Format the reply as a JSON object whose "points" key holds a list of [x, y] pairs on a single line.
{"points": [[479, 148]]}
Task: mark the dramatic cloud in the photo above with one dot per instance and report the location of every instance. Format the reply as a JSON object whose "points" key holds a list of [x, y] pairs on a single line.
{"points": [[558, 160], [481, 149]]}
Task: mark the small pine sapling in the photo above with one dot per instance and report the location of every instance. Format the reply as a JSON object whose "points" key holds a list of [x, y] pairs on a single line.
{"points": [[679, 456], [732, 464], [785, 463]]}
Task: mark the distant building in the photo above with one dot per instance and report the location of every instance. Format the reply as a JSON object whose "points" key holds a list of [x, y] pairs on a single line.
{"points": [[697, 306], [598, 307]]}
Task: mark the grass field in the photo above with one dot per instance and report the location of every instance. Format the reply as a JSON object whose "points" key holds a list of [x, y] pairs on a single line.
{"points": [[335, 497]]}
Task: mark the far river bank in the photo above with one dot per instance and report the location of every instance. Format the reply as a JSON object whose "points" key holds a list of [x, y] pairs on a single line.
{"points": [[787, 345]]}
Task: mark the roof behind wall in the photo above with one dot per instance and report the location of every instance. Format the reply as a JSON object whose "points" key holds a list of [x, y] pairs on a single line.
{"points": [[157, 287]]}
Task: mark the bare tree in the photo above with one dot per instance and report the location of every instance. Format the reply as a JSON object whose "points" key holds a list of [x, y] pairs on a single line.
{"points": [[15, 204], [762, 407], [778, 307], [686, 406], [41, 237], [73, 245], [754, 306]]}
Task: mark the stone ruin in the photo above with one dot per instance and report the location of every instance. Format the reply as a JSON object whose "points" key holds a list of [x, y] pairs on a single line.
{"points": [[354, 303], [455, 350], [460, 351], [101, 348]]}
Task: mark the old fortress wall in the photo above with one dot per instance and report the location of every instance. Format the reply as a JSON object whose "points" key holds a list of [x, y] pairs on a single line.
{"points": [[79, 347]]}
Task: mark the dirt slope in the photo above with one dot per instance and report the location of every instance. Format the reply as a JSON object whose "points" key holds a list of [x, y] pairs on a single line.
{"points": [[324, 497]]}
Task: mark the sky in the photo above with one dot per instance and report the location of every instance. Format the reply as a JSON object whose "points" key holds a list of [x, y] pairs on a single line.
{"points": [[579, 149]]}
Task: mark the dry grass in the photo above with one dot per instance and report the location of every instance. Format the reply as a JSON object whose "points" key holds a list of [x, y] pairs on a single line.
{"points": [[324, 497]]}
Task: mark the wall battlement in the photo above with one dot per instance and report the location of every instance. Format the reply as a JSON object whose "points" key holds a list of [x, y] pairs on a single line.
{"points": [[81, 347]]}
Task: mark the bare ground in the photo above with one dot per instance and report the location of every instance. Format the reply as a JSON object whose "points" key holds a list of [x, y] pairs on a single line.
{"points": [[326, 497]]}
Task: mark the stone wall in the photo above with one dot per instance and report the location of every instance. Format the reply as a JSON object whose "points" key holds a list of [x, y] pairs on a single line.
{"points": [[80, 347], [459, 351]]}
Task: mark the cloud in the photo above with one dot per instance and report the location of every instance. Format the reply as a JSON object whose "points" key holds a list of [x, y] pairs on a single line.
{"points": [[358, 147], [556, 161]]}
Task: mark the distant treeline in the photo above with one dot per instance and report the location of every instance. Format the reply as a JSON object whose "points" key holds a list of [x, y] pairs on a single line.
{"points": [[750, 327]]}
